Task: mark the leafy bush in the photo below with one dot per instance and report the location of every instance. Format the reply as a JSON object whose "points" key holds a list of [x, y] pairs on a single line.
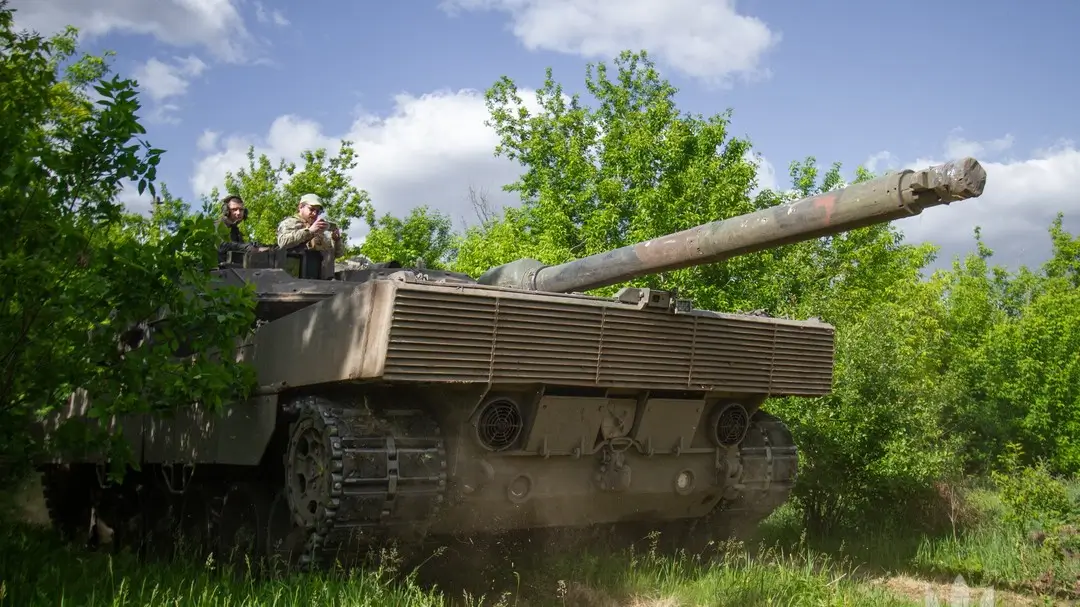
{"points": [[81, 275], [1034, 498]]}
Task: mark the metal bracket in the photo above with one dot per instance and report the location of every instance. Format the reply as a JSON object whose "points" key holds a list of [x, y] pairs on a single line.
{"points": [[177, 482]]}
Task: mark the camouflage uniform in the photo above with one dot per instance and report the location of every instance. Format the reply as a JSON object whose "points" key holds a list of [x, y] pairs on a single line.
{"points": [[292, 233]]}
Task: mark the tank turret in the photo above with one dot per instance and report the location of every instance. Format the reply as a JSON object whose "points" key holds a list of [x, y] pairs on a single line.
{"points": [[395, 402], [892, 196]]}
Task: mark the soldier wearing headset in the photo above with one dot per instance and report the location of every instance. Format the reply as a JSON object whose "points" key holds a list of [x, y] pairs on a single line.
{"points": [[233, 212]]}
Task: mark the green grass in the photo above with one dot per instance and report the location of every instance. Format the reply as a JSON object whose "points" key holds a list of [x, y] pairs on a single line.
{"points": [[768, 577], [36, 569], [990, 552], [986, 551], [1000, 558], [784, 567]]}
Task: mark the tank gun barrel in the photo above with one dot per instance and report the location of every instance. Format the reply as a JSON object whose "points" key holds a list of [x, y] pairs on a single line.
{"points": [[894, 196]]}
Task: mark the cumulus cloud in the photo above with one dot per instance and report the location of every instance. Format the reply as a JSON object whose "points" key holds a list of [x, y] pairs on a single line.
{"points": [[215, 25], [705, 39], [207, 141], [162, 81], [1023, 195], [880, 161], [430, 149], [957, 146]]}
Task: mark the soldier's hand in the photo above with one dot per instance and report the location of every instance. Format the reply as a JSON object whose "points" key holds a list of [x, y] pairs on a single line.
{"points": [[318, 226], [336, 233]]}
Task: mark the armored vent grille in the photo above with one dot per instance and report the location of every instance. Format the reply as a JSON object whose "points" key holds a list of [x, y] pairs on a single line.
{"points": [[440, 336]]}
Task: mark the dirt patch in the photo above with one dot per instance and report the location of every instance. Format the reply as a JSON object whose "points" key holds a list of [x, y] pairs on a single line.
{"points": [[590, 597], [957, 593]]}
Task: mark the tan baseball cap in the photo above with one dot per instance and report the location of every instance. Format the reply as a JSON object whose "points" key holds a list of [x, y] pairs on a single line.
{"points": [[311, 200]]}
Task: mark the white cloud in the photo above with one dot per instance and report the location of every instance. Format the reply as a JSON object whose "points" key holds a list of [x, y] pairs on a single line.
{"points": [[1021, 198], [878, 162], [705, 39], [215, 25], [429, 150], [272, 16], [207, 141], [161, 81], [958, 147], [766, 173]]}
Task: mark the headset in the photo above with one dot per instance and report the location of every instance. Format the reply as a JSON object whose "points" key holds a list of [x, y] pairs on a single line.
{"points": [[225, 206]]}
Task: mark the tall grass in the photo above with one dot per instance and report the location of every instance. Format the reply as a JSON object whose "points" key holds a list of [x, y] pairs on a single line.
{"points": [[783, 566], [986, 550], [36, 569], [734, 576], [1006, 556]]}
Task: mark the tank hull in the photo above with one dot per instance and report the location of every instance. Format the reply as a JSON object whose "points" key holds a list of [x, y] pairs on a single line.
{"points": [[524, 410]]}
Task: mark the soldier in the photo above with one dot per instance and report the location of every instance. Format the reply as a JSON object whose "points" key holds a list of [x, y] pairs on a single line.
{"points": [[306, 228], [233, 212]]}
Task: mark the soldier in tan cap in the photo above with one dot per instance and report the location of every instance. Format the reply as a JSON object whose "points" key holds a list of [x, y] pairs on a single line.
{"points": [[308, 229]]}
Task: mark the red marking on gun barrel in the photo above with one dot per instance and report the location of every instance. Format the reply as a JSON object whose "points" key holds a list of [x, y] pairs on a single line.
{"points": [[826, 201]]}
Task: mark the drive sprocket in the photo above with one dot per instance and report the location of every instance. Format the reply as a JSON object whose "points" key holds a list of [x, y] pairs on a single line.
{"points": [[354, 476]]}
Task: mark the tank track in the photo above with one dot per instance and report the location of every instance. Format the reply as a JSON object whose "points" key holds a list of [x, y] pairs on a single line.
{"points": [[383, 476], [769, 462]]}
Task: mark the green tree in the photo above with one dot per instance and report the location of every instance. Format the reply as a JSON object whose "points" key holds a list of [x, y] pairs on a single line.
{"points": [[627, 169], [423, 234], [272, 193], [1018, 357], [75, 281], [875, 445]]}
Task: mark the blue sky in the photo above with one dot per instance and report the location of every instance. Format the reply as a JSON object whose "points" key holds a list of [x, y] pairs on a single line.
{"points": [[860, 83]]}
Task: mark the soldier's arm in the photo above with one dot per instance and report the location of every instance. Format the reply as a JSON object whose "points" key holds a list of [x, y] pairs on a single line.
{"points": [[291, 234], [339, 247]]}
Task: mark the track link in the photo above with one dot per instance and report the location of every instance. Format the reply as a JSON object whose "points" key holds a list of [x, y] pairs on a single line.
{"points": [[769, 470], [355, 477]]}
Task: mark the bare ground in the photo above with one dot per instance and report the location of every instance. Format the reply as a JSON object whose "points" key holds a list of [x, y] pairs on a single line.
{"points": [[947, 594]]}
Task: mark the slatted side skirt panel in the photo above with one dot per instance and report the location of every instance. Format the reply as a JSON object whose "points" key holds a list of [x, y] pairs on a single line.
{"points": [[456, 336]]}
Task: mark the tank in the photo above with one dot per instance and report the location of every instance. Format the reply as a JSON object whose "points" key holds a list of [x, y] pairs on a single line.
{"points": [[404, 403]]}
